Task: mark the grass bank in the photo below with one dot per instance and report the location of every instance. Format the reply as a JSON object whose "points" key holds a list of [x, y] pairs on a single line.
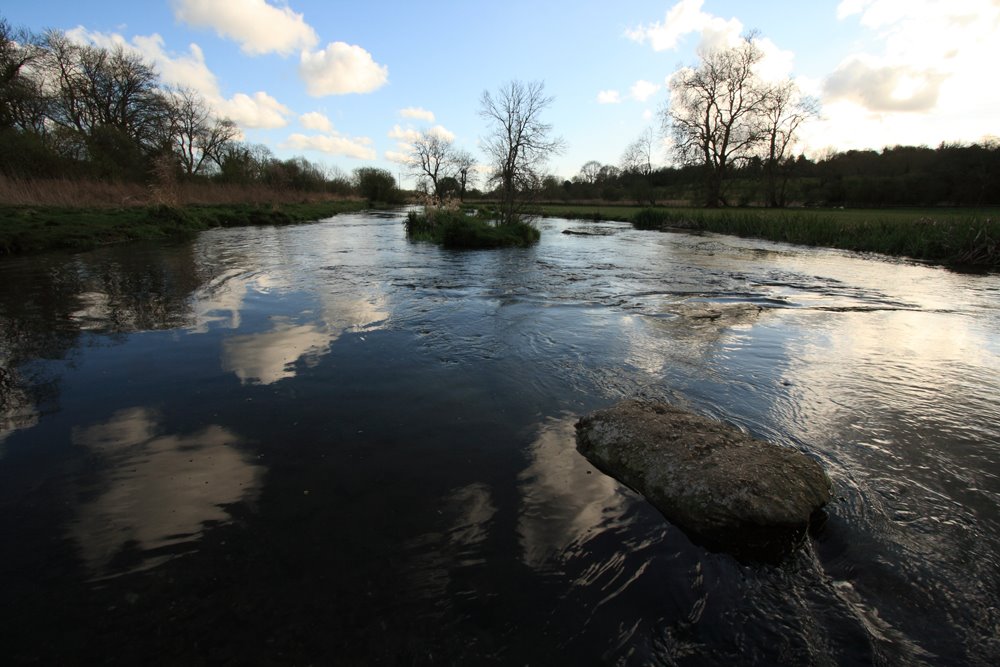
{"points": [[29, 229], [948, 236], [455, 229]]}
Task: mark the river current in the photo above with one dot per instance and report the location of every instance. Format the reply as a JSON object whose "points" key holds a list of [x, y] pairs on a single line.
{"points": [[324, 444]]}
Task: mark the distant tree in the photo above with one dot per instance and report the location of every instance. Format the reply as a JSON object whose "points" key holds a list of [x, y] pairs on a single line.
{"points": [[464, 170], [244, 163], [589, 171], [638, 155], [783, 111], [374, 184], [196, 136], [431, 155], [21, 100], [715, 113], [448, 187], [518, 142]]}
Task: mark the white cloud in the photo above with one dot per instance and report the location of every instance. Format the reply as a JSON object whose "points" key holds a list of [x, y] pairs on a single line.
{"points": [[715, 33], [924, 85], [258, 26], [884, 88], [340, 69], [316, 121], [643, 90], [259, 111], [417, 113], [685, 18], [609, 97], [408, 134], [647, 115], [334, 144], [441, 132], [398, 157]]}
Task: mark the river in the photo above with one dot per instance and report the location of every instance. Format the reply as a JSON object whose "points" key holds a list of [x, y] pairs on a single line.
{"points": [[324, 444]]}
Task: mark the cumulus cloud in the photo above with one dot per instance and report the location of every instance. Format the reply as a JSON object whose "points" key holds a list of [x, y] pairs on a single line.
{"points": [[643, 90], [407, 134], [609, 97], [316, 121], [257, 111], [258, 26], [417, 113], [398, 157], [685, 18], [922, 84], [340, 69], [334, 144], [884, 88]]}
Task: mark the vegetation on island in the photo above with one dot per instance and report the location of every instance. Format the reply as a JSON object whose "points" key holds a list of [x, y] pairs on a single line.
{"points": [[451, 227]]}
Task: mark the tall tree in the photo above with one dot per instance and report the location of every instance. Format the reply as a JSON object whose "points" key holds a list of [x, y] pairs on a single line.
{"points": [[518, 142], [783, 112], [464, 167], [715, 111], [431, 155], [638, 155], [196, 135]]}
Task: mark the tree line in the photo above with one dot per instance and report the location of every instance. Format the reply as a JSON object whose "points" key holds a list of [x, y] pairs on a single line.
{"points": [[70, 110]]}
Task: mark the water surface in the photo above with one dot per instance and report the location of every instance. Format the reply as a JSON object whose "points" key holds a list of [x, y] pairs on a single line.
{"points": [[322, 443]]}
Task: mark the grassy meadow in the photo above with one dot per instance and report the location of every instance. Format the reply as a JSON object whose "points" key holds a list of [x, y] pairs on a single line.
{"points": [[958, 237]]}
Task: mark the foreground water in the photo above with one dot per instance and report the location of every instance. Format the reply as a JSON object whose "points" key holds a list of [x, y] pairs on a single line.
{"points": [[323, 444]]}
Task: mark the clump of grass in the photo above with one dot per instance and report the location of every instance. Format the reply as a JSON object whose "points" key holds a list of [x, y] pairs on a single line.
{"points": [[453, 228], [945, 237]]}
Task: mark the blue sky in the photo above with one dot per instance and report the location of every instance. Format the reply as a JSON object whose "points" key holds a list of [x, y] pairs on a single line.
{"points": [[345, 83]]}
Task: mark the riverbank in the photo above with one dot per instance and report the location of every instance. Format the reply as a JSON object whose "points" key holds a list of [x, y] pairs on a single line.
{"points": [[30, 229], [954, 237]]}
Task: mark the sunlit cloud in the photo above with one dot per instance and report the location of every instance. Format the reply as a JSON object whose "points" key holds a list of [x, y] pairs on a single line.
{"points": [[316, 121], [417, 113], [923, 85], [643, 90], [334, 144], [257, 26], [159, 489], [685, 18], [340, 69], [257, 111], [609, 97], [715, 33], [884, 88]]}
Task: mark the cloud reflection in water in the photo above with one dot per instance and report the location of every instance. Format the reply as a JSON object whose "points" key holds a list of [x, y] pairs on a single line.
{"points": [[156, 490]]}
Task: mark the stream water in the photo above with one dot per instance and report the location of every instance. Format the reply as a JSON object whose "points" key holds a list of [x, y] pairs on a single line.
{"points": [[324, 444]]}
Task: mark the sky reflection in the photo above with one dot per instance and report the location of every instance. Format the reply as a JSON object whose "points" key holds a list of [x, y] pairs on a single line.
{"points": [[156, 490]]}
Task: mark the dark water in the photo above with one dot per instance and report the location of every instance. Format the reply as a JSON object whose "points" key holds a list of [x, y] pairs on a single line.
{"points": [[322, 444]]}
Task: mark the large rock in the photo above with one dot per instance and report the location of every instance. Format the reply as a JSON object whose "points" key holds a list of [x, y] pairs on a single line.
{"points": [[724, 488]]}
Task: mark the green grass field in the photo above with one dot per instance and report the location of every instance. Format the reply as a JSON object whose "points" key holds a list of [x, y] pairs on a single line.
{"points": [[28, 229], [950, 236]]}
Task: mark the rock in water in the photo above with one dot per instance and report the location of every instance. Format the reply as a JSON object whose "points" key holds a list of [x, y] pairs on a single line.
{"points": [[724, 488]]}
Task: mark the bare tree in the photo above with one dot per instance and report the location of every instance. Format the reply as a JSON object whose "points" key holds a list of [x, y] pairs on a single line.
{"points": [[784, 110], [93, 88], [518, 142], [589, 171], [22, 104], [431, 155], [196, 135], [638, 155], [715, 113], [464, 167]]}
